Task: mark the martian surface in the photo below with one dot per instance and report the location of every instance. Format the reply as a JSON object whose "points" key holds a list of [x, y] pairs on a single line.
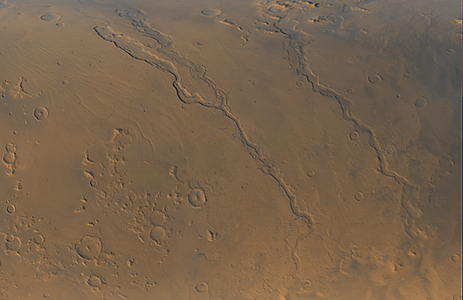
{"points": [[230, 150]]}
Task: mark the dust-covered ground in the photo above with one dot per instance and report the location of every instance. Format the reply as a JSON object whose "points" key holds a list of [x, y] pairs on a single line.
{"points": [[266, 149]]}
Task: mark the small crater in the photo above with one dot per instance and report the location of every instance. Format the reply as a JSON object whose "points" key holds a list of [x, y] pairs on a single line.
{"points": [[311, 173], [201, 287], [421, 102], [10, 148], [158, 234], [157, 218], [358, 196], [390, 150], [9, 158], [39, 239], [306, 284], [277, 8], [41, 113], [94, 281], [89, 247], [354, 135], [94, 183], [375, 78], [212, 12], [49, 17], [197, 197], [11, 209], [13, 243]]}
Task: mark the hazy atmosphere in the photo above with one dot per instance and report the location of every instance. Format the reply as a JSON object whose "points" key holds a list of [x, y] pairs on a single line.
{"points": [[230, 150]]}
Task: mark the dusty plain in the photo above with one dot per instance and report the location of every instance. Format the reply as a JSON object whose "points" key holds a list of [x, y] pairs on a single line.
{"points": [[265, 149]]}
